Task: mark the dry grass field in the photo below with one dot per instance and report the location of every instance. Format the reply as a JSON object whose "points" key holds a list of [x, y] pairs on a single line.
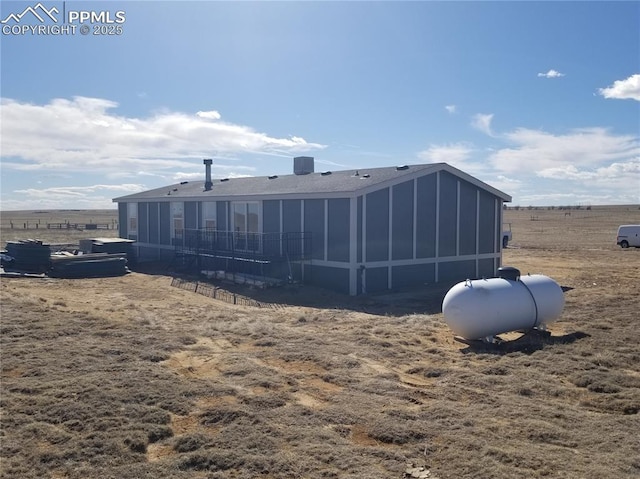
{"points": [[128, 377], [17, 225]]}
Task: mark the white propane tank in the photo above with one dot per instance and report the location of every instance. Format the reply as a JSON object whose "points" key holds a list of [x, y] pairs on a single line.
{"points": [[483, 308]]}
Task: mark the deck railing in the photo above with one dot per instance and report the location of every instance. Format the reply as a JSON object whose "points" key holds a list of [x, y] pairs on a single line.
{"points": [[267, 247]]}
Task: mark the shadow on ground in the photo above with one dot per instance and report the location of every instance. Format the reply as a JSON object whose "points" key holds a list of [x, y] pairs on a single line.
{"points": [[528, 343], [420, 300]]}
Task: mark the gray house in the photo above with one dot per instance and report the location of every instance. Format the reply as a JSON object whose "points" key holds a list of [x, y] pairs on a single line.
{"points": [[351, 231]]}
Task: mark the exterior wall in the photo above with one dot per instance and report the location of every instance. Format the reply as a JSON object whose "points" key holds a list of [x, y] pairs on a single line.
{"points": [[338, 234], [165, 223], [376, 279], [467, 224], [291, 216], [359, 231], [486, 268], [271, 216], [314, 223], [457, 270], [122, 220], [447, 215], [413, 275], [222, 216], [154, 223], [377, 226], [487, 218], [143, 222], [335, 279], [426, 216], [433, 228], [402, 221], [191, 209]]}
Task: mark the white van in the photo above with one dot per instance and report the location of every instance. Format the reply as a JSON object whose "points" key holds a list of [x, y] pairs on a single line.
{"points": [[628, 235]]}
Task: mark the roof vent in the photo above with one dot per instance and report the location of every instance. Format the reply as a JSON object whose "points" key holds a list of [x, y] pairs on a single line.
{"points": [[272, 177], [402, 167], [175, 189], [325, 173], [366, 175], [224, 179], [184, 182], [356, 173], [303, 165]]}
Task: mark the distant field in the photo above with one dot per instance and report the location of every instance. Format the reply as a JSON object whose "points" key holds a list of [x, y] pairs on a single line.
{"points": [[131, 378], [569, 230], [16, 225]]}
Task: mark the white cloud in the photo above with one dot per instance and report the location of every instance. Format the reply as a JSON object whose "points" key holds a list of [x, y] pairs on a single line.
{"points": [[551, 74], [537, 167], [86, 135], [451, 109], [80, 191], [482, 122], [80, 197], [627, 89], [455, 153], [459, 155], [537, 150], [616, 176], [211, 115]]}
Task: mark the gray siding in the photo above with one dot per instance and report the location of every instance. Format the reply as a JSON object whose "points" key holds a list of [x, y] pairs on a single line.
{"points": [[191, 214], [467, 233], [377, 279], [413, 275], [221, 216], [457, 270], [498, 237], [271, 216], [485, 268], [143, 222], [154, 223], [487, 223], [426, 217], [377, 229], [338, 230], [448, 214], [271, 224], [165, 223], [122, 220], [314, 224], [359, 233], [335, 279], [402, 222], [432, 217], [291, 210]]}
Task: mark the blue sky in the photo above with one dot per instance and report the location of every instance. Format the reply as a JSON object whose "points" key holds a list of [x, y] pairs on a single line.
{"points": [[539, 99]]}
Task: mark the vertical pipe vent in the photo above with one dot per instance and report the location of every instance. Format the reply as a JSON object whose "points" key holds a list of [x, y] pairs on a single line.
{"points": [[207, 174]]}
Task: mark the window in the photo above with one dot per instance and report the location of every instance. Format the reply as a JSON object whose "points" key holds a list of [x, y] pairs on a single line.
{"points": [[209, 215], [132, 219], [177, 219], [246, 225]]}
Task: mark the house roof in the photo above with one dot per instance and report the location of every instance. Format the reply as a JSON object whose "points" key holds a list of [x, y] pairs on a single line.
{"points": [[344, 182]]}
